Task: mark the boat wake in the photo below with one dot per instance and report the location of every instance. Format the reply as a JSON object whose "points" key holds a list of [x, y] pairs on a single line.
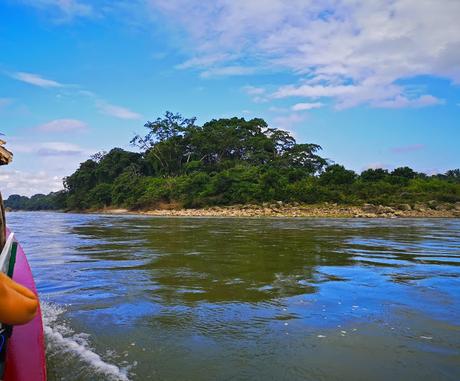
{"points": [[62, 340]]}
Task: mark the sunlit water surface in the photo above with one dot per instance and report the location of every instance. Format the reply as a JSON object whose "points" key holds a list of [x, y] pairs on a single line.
{"points": [[137, 298]]}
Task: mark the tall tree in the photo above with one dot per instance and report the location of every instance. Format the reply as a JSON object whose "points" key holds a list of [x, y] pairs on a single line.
{"points": [[163, 145]]}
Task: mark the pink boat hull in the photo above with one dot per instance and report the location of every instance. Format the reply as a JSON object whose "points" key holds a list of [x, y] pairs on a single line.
{"points": [[25, 356]]}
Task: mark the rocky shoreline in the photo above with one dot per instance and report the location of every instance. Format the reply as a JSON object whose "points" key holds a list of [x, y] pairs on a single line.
{"points": [[279, 209]]}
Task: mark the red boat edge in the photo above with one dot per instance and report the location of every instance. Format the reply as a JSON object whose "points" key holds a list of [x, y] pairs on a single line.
{"points": [[25, 354]]}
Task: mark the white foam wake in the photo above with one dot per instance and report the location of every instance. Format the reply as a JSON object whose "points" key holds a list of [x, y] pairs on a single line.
{"points": [[63, 339]]}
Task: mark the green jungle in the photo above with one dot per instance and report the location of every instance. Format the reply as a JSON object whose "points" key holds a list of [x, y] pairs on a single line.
{"points": [[228, 162]]}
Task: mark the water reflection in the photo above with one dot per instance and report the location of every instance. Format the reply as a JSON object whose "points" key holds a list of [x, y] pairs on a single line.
{"points": [[223, 260]]}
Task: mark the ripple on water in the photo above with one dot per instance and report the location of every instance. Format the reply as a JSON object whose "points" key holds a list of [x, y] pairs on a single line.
{"points": [[203, 299]]}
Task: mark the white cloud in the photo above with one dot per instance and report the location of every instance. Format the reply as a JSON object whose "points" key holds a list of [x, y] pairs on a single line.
{"points": [[35, 79], [66, 9], [28, 183], [203, 61], [227, 71], [288, 122], [109, 109], [48, 149], [317, 91], [63, 125], [72, 124], [47, 163], [401, 101], [377, 95], [258, 94], [354, 52], [306, 106], [117, 111], [59, 149]]}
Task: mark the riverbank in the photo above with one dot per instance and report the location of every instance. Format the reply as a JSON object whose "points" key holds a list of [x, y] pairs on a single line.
{"points": [[280, 209]]}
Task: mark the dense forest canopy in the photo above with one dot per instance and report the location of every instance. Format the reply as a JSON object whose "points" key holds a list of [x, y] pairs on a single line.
{"points": [[229, 161]]}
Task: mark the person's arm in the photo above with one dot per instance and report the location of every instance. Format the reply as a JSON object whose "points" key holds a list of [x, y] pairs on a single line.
{"points": [[18, 305]]}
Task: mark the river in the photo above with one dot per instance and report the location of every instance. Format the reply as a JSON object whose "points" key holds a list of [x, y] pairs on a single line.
{"points": [[151, 298]]}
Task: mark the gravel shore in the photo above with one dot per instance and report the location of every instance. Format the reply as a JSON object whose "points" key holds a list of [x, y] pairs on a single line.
{"points": [[280, 209]]}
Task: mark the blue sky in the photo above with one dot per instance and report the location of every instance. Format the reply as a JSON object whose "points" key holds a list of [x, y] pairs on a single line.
{"points": [[376, 84]]}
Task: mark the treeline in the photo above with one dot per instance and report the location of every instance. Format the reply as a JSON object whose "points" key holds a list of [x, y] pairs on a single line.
{"points": [[225, 162], [52, 201]]}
